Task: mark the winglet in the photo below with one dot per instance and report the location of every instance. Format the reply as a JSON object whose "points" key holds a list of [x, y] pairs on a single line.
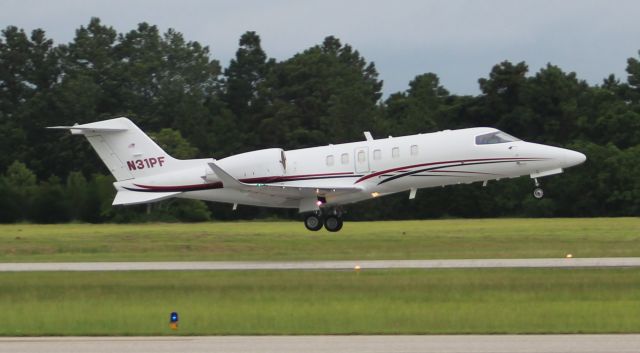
{"points": [[226, 178]]}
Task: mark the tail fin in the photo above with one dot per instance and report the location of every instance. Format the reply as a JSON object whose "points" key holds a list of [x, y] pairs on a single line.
{"points": [[127, 151]]}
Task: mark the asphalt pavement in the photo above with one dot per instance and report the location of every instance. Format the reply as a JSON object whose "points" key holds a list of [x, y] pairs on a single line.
{"points": [[324, 344], [323, 265]]}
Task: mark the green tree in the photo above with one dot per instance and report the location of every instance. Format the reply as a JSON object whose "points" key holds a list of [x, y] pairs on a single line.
{"points": [[179, 210], [76, 191], [11, 208], [502, 90], [82, 93], [244, 91], [20, 176], [633, 79], [29, 70], [141, 69], [619, 126], [554, 99], [420, 109], [326, 93], [14, 56], [174, 144], [20, 186], [50, 203], [91, 59], [102, 190], [189, 81]]}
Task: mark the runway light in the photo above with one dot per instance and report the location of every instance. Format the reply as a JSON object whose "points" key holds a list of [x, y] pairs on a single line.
{"points": [[173, 320], [375, 194], [357, 268], [569, 256]]}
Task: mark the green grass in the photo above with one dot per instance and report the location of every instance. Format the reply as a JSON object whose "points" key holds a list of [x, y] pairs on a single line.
{"points": [[438, 239], [320, 302]]}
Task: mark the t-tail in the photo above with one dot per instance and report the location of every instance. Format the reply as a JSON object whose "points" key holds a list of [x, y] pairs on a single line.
{"points": [[129, 154], [127, 151]]}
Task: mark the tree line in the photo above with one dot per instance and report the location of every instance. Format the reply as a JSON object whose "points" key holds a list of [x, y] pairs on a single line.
{"points": [[328, 93]]}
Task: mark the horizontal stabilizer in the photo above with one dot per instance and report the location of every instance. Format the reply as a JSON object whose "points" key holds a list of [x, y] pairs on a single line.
{"points": [[113, 125], [125, 197]]}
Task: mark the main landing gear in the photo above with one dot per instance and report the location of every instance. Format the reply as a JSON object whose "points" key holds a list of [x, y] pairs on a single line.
{"points": [[332, 221], [313, 222], [538, 193]]}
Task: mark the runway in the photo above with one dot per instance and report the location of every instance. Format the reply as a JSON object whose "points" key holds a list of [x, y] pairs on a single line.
{"points": [[321, 344], [322, 265]]}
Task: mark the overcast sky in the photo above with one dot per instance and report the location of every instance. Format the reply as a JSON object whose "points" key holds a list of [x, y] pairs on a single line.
{"points": [[458, 40]]}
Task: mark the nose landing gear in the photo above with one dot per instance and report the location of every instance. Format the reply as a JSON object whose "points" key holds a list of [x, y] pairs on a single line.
{"points": [[538, 193]]}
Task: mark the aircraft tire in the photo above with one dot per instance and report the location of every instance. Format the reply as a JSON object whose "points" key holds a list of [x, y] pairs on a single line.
{"points": [[538, 193], [313, 222], [333, 223]]}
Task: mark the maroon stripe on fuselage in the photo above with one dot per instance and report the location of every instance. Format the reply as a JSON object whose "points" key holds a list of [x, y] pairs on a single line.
{"points": [[219, 185], [436, 163], [195, 187], [460, 171], [275, 179]]}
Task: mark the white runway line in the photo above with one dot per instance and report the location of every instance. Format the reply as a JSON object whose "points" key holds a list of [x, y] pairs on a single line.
{"points": [[629, 343], [322, 265]]}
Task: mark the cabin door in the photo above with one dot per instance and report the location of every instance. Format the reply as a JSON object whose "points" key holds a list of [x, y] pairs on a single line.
{"points": [[361, 159]]}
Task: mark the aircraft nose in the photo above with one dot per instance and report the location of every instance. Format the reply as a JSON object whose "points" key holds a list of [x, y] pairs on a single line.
{"points": [[572, 158]]}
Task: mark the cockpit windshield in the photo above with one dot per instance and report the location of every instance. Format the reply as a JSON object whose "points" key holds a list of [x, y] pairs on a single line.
{"points": [[494, 137]]}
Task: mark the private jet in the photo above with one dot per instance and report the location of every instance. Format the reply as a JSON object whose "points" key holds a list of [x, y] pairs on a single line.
{"points": [[318, 181]]}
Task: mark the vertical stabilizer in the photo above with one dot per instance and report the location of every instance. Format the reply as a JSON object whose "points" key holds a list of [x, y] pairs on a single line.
{"points": [[127, 151]]}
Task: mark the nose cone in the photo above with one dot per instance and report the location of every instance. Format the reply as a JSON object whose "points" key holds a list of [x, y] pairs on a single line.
{"points": [[572, 158]]}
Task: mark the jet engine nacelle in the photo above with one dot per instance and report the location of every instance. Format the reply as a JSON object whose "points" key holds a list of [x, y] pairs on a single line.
{"points": [[270, 162]]}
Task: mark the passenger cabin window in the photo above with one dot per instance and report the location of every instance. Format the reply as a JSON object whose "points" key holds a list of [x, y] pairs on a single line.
{"points": [[344, 158], [361, 157], [377, 155], [330, 160], [414, 150], [395, 152], [494, 137]]}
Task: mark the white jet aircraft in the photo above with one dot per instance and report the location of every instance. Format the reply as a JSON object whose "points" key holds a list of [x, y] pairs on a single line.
{"points": [[318, 180]]}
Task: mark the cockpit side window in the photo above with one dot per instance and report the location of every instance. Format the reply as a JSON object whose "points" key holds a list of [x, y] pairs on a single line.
{"points": [[494, 137]]}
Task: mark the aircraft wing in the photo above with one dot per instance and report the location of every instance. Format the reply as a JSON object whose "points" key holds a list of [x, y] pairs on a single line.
{"points": [[298, 192]]}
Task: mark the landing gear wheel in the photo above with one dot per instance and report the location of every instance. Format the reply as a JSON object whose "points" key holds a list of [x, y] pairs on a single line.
{"points": [[333, 223], [538, 193], [313, 222]]}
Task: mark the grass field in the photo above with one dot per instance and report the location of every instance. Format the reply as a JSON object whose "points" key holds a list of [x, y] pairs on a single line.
{"points": [[293, 302], [437, 239]]}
